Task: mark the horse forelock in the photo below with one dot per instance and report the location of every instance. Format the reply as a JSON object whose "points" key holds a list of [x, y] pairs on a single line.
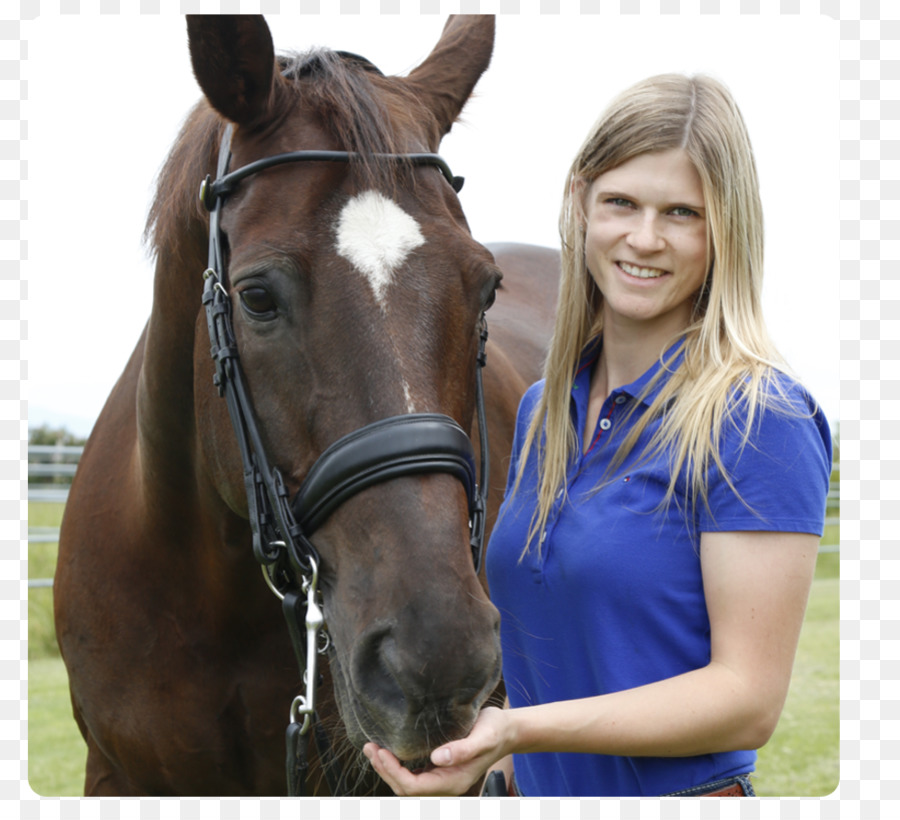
{"points": [[364, 111]]}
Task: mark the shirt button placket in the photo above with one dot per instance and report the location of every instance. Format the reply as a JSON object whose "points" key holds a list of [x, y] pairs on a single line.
{"points": [[606, 422]]}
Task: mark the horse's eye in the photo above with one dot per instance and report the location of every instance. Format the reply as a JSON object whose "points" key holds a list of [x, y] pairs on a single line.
{"points": [[490, 291], [258, 302]]}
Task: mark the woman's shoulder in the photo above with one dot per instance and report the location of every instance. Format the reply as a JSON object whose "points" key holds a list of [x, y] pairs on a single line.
{"points": [[779, 412], [773, 462], [778, 393], [786, 388]]}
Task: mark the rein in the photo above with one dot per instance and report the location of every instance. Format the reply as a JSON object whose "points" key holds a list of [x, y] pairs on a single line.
{"points": [[404, 445]]}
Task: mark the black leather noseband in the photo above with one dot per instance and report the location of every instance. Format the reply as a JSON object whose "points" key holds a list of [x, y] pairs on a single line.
{"points": [[399, 446]]}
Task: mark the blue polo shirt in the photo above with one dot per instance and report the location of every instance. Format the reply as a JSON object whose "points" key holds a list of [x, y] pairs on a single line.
{"points": [[614, 599]]}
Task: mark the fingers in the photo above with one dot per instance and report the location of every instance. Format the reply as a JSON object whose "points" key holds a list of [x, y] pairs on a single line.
{"points": [[444, 781], [386, 765], [459, 764], [483, 742]]}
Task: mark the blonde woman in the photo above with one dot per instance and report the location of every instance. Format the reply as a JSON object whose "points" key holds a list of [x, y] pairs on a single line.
{"points": [[655, 550]]}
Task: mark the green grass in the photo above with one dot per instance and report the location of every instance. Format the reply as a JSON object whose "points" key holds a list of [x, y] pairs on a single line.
{"points": [[41, 633], [832, 534], [56, 750], [801, 759], [45, 514]]}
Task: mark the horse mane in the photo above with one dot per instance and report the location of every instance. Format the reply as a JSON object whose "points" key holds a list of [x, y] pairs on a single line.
{"points": [[345, 92]]}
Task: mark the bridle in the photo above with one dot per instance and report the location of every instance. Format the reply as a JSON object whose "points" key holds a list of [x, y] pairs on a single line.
{"points": [[404, 445]]}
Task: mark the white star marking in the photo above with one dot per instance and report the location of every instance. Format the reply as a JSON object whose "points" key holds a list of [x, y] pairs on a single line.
{"points": [[376, 235]]}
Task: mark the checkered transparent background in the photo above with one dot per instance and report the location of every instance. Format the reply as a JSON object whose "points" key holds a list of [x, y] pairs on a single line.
{"points": [[869, 411]]}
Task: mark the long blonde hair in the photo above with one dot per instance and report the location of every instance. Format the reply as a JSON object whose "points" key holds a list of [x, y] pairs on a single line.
{"points": [[728, 354]]}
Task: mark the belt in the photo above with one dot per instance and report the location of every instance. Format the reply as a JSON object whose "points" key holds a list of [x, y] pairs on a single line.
{"points": [[735, 790], [738, 786], [731, 787]]}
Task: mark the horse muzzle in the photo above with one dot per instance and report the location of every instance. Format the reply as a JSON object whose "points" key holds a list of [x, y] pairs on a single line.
{"points": [[417, 673], [417, 686]]}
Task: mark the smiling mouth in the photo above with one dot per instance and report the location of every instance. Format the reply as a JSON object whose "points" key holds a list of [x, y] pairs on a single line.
{"points": [[639, 272]]}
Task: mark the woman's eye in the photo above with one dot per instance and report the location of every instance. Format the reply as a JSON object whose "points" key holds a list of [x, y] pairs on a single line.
{"points": [[682, 211], [257, 301]]}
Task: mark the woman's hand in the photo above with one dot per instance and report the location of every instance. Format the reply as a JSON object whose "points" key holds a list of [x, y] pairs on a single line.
{"points": [[458, 764]]}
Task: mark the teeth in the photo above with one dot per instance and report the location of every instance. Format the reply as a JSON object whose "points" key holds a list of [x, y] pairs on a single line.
{"points": [[641, 273]]}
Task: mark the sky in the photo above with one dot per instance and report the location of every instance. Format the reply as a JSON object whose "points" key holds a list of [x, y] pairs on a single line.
{"points": [[107, 94]]}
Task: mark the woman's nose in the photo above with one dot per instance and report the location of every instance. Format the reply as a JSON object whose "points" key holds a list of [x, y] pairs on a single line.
{"points": [[646, 236]]}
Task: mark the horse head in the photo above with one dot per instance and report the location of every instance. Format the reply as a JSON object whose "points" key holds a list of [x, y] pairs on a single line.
{"points": [[356, 294]]}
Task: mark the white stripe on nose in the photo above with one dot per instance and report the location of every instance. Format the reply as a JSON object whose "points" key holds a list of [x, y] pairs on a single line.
{"points": [[376, 235]]}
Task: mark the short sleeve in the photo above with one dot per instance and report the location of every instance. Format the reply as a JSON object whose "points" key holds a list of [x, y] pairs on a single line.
{"points": [[779, 476]]}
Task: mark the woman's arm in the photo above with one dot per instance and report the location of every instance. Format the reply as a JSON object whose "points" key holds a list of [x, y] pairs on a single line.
{"points": [[756, 586]]}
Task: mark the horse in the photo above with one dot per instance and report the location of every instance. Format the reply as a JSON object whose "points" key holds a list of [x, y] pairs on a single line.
{"points": [[355, 294]]}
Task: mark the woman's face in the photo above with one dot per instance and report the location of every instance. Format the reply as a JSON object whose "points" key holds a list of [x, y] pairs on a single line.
{"points": [[646, 241]]}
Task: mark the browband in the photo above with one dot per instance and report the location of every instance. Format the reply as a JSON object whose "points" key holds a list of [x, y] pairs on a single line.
{"points": [[224, 185]]}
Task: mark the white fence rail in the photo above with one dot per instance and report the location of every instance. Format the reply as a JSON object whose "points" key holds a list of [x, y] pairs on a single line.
{"points": [[51, 461]]}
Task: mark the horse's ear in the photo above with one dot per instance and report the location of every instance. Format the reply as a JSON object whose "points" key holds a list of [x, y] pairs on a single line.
{"points": [[234, 63], [446, 78]]}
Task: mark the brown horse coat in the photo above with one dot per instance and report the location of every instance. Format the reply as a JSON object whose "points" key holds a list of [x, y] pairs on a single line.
{"points": [[180, 667]]}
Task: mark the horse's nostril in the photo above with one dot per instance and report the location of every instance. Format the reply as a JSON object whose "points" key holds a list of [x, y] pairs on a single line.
{"points": [[375, 671], [403, 675]]}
